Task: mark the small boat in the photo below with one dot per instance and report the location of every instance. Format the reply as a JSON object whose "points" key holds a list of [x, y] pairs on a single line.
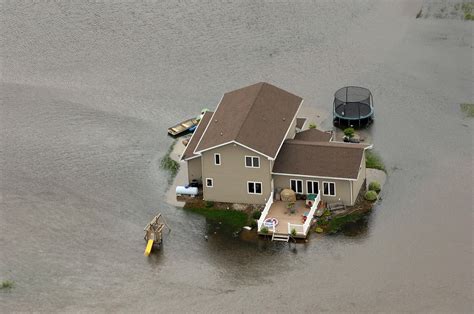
{"points": [[183, 127]]}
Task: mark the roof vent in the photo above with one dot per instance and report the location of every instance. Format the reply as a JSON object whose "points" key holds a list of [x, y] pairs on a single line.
{"points": [[222, 133], [284, 119]]}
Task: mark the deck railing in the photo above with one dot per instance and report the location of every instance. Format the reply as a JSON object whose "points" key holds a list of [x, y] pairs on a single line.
{"points": [[313, 209], [265, 212], [298, 228]]}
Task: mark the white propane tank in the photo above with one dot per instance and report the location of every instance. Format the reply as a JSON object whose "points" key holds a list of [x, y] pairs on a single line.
{"points": [[182, 190]]}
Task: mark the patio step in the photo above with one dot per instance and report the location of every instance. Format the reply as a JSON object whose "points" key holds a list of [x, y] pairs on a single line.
{"points": [[280, 237]]}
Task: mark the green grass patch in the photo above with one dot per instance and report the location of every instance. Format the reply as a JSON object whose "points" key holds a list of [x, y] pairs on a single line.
{"points": [[337, 223], [7, 284], [468, 8], [468, 109], [169, 164], [229, 217], [373, 160]]}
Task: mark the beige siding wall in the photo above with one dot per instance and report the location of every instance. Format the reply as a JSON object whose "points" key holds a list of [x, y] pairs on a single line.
{"points": [[292, 132], [194, 169], [343, 187], [356, 185], [230, 178]]}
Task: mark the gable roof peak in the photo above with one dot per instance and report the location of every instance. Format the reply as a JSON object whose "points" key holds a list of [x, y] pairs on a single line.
{"points": [[257, 116]]}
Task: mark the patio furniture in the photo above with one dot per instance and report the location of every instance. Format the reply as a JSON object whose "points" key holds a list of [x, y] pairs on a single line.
{"points": [[336, 206]]}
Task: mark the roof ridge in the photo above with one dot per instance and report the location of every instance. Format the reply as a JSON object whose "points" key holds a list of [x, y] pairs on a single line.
{"points": [[248, 112]]}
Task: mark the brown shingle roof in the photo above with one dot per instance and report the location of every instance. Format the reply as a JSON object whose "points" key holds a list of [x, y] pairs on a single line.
{"points": [[336, 160], [313, 135], [189, 151], [257, 116], [300, 122]]}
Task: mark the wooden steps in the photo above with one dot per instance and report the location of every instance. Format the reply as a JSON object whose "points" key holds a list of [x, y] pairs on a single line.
{"points": [[280, 237]]}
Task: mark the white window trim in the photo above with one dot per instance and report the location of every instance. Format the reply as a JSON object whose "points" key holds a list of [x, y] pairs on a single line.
{"points": [[312, 186], [254, 182], [212, 183], [302, 185], [252, 157], [220, 160], [335, 193]]}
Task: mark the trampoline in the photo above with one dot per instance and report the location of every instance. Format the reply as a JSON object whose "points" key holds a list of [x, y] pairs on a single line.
{"points": [[353, 107]]}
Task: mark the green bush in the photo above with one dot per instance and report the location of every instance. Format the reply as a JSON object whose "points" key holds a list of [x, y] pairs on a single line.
{"points": [[374, 186], [293, 232], [7, 284], [209, 204], [256, 214], [253, 224], [312, 126], [349, 132], [468, 109], [264, 230], [370, 196], [322, 221]]}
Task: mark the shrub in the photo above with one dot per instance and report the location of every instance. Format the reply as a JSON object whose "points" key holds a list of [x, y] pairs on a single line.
{"points": [[256, 214], [312, 126], [293, 232], [374, 186], [209, 204], [322, 221], [370, 196], [319, 230], [264, 230], [253, 224], [468, 109], [7, 284], [349, 132]]}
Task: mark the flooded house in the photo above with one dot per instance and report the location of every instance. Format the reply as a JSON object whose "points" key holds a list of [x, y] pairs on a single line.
{"points": [[252, 147]]}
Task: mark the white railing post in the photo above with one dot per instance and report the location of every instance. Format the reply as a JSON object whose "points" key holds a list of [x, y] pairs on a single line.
{"points": [[264, 213]]}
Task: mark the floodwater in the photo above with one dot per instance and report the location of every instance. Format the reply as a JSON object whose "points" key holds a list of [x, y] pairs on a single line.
{"points": [[88, 91]]}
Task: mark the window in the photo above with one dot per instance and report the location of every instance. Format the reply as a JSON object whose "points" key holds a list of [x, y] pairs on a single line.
{"points": [[312, 187], [252, 162], [217, 159], [297, 186], [329, 188], [254, 187], [209, 182]]}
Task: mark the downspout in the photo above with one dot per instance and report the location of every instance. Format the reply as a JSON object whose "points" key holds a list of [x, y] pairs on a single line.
{"points": [[352, 193]]}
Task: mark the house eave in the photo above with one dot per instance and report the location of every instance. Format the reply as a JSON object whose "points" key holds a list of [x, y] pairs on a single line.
{"points": [[312, 176]]}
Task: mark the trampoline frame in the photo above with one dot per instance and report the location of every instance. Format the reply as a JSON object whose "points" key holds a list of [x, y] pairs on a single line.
{"points": [[351, 120]]}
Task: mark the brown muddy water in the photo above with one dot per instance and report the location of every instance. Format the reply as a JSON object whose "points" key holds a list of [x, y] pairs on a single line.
{"points": [[88, 90]]}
